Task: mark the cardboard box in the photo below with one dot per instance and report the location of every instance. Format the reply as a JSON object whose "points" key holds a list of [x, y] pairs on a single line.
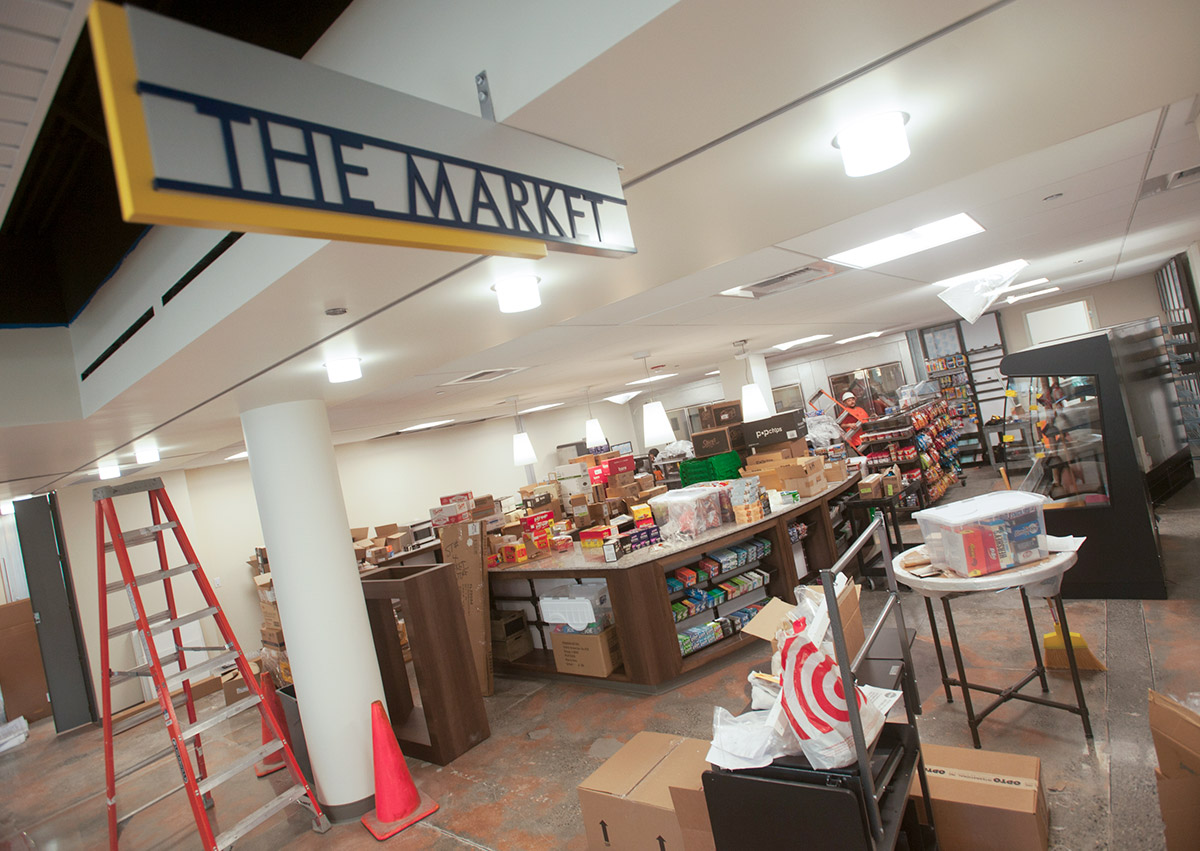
{"points": [[1176, 732], [585, 460], [512, 647], [597, 475], [234, 686], [22, 675], [399, 541], [604, 456], [726, 413], [586, 655], [599, 513], [715, 441], [463, 546], [869, 487], [768, 459], [465, 496], [807, 486], [835, 471], [984, 800], [270, 613], [653, 492], [1177, 799], [444, 515], [357, 533], [628, 803], [579, 499], [620, 464], [272, 636], [506, 623], [790, 425]]}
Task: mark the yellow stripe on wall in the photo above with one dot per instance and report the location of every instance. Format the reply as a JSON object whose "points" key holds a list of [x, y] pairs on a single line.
{"points": [[116, 70]]}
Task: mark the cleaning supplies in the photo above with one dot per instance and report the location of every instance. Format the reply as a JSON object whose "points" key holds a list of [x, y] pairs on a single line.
{"points": [[1054, 649]]}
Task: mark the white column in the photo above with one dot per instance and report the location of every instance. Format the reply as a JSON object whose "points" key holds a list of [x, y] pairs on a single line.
{"points": [[320, 598]]}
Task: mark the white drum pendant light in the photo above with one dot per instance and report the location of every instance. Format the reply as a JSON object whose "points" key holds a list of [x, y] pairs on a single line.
{"points": [[873, 144], [523, 453], [593, 434], [656, 427], [517, 293]]}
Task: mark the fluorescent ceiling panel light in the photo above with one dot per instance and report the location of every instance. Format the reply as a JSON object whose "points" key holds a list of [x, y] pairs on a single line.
{"points": [[913, 241], [523, 454], [873, 144], [1036, 282], [425, 425], [537, 408], [754, 406], [1012, 299], [146, 453], [651, 378], [859, 337], [238, 456], [344, 369], [593, 434], [108, 470], [622, 398], [783, 347], [997, 272], [714, 372], [518, 293], [656, 427]]}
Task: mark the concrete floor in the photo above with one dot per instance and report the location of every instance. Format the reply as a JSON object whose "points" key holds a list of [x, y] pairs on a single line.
{"points": [[517, 790]]}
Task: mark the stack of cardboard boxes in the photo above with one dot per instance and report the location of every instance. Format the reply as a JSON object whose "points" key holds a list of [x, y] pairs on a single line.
{"points": [[390, 539], [274, 650], [787, 467]]}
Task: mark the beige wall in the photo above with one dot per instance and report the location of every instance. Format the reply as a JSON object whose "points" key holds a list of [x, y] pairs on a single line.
{"points": [[1120, 301], [393, 480]]}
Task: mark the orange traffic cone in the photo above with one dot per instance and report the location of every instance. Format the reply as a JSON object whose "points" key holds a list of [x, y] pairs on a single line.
{"points": [[398, 804], [273, 761]]}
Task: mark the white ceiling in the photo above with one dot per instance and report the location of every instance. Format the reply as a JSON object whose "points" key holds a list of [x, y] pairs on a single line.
{"points": [[1088, 98]]}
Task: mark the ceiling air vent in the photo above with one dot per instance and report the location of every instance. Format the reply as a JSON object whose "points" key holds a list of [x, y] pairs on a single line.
{"points": [[1174, 180], [485, 375], [818, 270]]}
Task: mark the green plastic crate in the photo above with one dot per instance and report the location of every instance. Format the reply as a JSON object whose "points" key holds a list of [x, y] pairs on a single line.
{"points": [[711, 469]]}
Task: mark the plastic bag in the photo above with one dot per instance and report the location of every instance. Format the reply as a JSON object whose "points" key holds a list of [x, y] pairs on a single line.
{"points": [[976, 292], [824, 430], [814, 700], [748, 740]]}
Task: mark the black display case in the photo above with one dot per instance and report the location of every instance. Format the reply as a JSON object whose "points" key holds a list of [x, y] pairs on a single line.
{"points": [[1100, 409]]}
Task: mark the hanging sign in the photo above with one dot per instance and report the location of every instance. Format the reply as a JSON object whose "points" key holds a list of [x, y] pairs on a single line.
{"points": [[207, 131]]}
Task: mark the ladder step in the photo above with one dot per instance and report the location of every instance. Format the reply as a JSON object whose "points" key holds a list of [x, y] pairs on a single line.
{"points": [[149, 804], [228, 837], [144, 763], [225, 713], [155, 576], [142, 670], [167, 626], [201, 669], [144, 535], [146, 714], [132, 626], [249, 759]]}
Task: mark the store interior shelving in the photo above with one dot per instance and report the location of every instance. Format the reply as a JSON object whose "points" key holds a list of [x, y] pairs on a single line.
{"points": [[923, 443]]}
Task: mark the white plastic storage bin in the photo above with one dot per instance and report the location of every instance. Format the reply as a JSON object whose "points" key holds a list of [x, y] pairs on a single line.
{"points": [[985, 534], [577, 608]]}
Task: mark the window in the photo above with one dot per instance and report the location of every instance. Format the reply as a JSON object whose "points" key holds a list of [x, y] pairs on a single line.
{"points": [[1062, 320], [788, 398]]}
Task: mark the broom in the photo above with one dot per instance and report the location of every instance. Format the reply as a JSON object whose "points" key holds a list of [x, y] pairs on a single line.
{"points": [[1054, 646], [1054, 649]]}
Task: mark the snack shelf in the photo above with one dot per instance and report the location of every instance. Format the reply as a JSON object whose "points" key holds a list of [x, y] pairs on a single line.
{"points": [[676, 596], [722, 610]]}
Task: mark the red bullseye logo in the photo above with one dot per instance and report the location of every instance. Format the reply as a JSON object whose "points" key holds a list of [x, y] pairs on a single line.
{"points": [[811, 682]]}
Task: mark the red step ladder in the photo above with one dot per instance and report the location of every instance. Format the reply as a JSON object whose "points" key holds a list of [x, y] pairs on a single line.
{"points": [[197, 782]]}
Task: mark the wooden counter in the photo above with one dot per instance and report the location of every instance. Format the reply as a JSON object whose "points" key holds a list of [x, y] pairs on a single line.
{"points": [[640, 599]]}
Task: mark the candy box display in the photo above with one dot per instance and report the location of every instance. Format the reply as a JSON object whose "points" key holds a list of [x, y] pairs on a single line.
{"points": [[687, 513], [985, 534]]}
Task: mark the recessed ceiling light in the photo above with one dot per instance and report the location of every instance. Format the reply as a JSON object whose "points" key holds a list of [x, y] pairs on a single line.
{"points": [[1034, 283], [918, 239], [873, 144], [146, 452], [650, 379], [622, 398], [518, 293], [238, 456], [425, 425], [783, 347], [108, 470], [1012, 299], [992, 273], [859, 337], [344, 369], [537, 408]]}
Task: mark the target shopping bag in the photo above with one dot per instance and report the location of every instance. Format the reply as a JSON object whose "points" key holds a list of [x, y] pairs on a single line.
{"points": [[814, 699]]}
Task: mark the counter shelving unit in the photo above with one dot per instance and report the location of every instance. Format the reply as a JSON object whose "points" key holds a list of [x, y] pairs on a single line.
{"points": [[925, 430], [641, 600]]}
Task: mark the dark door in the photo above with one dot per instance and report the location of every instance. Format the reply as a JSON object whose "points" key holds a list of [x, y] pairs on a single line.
{"points": [[52, 593]]}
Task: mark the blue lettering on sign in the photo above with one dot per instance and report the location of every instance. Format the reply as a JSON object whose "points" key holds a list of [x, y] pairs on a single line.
{"points": [[495, 200]]}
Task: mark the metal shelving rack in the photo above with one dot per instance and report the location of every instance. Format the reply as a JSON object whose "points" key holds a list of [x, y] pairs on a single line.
{"points": [[1176, 295]]}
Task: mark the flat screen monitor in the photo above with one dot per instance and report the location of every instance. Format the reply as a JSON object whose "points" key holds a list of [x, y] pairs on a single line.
{"points": [[625, 448]]}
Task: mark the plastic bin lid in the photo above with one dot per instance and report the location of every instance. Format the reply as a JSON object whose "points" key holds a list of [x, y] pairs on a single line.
{"points": [[980, 507]]}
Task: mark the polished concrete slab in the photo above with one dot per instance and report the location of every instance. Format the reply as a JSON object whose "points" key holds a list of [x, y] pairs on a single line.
{"points": [[517, 790]]}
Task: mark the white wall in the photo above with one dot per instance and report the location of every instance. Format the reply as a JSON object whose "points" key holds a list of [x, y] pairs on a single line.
{"points": [[1120, 301]]}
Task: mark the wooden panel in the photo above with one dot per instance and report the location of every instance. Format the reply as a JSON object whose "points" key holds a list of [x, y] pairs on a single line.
{"points": [[644, 624], [22, 680], [35, 16]]}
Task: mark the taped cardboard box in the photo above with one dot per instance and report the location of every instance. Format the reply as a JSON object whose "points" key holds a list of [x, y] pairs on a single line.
{"points": [[586, 655], [1177, 801], [774, 615], [984, 800], [463, 546], [1176, 732], [628, 802], [234, 686]]}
